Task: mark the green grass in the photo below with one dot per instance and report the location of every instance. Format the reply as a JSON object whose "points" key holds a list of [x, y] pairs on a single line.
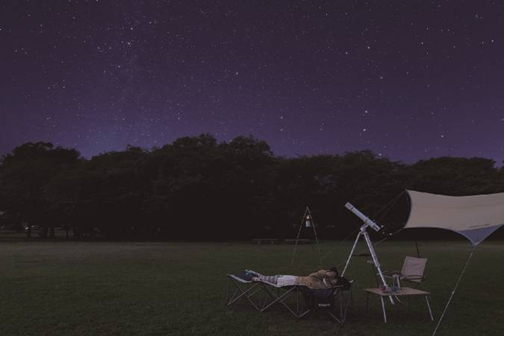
{"points": [[83, 288]]}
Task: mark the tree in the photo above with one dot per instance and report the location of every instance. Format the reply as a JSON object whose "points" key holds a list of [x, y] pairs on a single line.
{"points": [[24, 177], [455, 176], [199, 189]]}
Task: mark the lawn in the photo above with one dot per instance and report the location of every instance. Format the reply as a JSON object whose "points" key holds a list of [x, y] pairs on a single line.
{"points": [[103, 288]]}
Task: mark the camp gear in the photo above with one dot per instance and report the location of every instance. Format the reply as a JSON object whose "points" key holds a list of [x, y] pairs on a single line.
{"points": [[242, 286], [367, 223], [475, 217], [248, 284], [308, 220], [315, 299], [325, 300], [405, 291], [412, 271]]}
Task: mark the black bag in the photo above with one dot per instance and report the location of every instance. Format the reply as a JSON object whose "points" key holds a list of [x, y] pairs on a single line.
{"points": [[346, 285], [320, 298]]}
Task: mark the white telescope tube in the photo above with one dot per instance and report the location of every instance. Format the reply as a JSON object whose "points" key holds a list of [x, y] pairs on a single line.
{"points": [[363, 217]]}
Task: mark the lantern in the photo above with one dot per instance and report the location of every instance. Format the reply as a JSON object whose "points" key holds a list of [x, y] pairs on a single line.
{"points": [[307, 221]]}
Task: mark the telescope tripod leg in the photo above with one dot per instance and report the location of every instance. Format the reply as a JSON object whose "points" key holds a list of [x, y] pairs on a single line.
{"points": [[352, 252], [376, 263]]}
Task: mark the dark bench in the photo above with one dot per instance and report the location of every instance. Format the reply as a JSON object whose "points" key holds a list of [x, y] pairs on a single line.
{"points": [[300, 241], [260, 241]]}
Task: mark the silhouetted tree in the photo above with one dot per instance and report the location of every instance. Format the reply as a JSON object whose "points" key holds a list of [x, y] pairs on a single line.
{"points": [[24, 177], [199, 189]]}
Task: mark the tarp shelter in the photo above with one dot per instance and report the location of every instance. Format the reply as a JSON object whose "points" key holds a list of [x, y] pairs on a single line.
{"points": [[475, 217]]}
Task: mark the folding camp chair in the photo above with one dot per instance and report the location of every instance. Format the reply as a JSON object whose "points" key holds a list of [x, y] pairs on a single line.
{"points": [[243, 287], [412, 271], [280, 295], [315, 299]]}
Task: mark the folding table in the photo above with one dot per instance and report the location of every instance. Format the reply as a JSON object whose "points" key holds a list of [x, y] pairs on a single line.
{"points": [[403, 292]]}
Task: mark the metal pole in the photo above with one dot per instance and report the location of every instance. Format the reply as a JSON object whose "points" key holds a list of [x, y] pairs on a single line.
{"points": [[352, 251], [453, 292], [374, 257], [383, 309], [298, 236], [429, 307], [315, 235], [376, 261]]}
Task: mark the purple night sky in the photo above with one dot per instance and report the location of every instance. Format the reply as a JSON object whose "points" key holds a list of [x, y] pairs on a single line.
{"points": [[406, 79]]}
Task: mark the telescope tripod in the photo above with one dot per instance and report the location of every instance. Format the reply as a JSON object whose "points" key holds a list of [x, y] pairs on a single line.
{"points": [[363, 232]]}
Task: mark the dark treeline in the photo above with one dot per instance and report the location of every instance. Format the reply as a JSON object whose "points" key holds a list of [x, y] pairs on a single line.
{"points": [[199, 189]]}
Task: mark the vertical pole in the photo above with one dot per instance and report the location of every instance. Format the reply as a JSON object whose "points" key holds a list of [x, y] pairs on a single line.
{"points": [[383, 309], [417, 250], [366, 307]]}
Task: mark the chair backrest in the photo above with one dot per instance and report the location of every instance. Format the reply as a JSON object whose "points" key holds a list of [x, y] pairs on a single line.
{"points": [[414, 266]]}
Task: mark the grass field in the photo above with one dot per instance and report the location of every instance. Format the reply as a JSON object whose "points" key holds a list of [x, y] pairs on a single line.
{"points": [[68, 288]]}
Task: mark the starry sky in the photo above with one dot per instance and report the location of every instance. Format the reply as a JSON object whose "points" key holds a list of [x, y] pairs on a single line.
{"points": [[409, 80]]}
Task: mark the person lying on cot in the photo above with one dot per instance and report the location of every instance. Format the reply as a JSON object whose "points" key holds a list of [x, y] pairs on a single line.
{"points": [[322, 279]]}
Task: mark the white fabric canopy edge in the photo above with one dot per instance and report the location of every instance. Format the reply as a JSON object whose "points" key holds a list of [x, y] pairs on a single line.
{"points": [[475, 217]]}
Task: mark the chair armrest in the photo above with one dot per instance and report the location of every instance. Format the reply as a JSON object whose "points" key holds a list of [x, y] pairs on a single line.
{"points": [[413, 277], [391, 272]]}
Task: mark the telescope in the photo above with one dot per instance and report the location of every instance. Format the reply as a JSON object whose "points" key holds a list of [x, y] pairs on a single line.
{"points": [[363, 233], [366, 220]]}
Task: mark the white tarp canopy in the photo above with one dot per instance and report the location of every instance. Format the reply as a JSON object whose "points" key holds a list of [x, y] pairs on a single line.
{"points": [[474, 217]]}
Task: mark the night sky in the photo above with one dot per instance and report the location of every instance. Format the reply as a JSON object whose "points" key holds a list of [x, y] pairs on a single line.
{"points": [[407, 79]]}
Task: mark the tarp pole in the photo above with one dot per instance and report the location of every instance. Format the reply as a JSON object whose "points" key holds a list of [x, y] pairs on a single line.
{"points": [[417, 250], [453, 292]]}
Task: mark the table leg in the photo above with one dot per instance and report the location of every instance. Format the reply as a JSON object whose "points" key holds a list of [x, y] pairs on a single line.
{"points": [[429, 308], [297, 297], [383, 309], [341, 300], [366, 307]]}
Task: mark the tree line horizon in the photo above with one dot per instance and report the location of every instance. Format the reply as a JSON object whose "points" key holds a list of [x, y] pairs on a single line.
{"points": [[199, 189]]}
